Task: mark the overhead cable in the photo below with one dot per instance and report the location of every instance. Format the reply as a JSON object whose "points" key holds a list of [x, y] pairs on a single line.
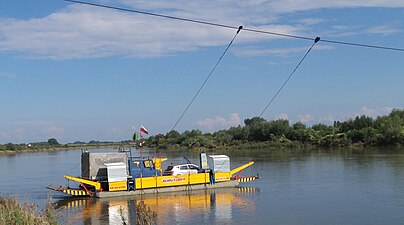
{"points": [[234, 27], [207, 78], [291, 74]]}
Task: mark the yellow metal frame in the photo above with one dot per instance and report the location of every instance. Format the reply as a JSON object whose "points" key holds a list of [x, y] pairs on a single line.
{"points": [[118, 186], [186, 179], [75, 192], [232, 172], [96, 184], [170, 181]]}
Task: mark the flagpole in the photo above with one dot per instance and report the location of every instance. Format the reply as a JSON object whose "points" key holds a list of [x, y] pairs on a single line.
{"points": [[140, 141]]}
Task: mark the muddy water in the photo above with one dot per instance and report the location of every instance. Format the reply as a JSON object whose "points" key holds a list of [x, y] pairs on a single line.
{"points": [[317, 187]]}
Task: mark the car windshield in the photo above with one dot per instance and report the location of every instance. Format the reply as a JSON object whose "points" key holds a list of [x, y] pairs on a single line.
{"points": [[169, 168], [192, 167]]}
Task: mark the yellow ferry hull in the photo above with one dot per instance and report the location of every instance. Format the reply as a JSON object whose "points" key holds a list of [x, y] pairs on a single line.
{"points": [[228, 184], [179, 180]]}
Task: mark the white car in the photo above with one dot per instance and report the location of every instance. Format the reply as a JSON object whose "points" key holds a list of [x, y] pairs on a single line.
{"points": [[181, 169]]}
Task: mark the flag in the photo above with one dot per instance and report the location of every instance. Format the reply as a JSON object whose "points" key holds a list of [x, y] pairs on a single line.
{"points": [[135, 136], [143, 129]]}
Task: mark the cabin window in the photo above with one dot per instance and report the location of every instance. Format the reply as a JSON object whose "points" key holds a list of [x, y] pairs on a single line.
{"points": [[169, 168], [148, 164], [183, 168], [136, 164], [192, 167]]}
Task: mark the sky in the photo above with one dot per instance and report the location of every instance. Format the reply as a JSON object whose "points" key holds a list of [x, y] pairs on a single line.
{"points": [[79, 73]]}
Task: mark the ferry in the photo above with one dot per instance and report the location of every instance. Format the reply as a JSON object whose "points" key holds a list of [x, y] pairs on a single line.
{"points": [[119, 174]]}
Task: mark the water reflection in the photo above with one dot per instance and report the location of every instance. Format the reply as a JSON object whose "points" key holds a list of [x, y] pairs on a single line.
{"points": [[217, 206]]}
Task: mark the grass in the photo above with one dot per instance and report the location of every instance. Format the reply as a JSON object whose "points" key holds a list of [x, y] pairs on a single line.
{"points": [[145, 216], [14, 212]]}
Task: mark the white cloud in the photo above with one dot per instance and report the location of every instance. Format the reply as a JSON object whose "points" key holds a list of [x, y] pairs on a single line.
{"points": [[219, 122], [31, 131], [256, 52], [282, 116], [53, 131], [242, 8], [4, 136], [14, 135], [302, 5], [88, 32], [311, 21], [78, 31], [374, 112], [115, 131], [383, 30], [307, 118], [328, 119]]}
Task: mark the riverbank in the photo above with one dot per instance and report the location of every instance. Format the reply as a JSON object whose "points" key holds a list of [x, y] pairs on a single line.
{"points": [[240, 147], [14, 212], [360, 132], [66, 147]]}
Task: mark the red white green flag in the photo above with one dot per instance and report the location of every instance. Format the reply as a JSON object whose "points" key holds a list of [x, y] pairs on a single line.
{"points": [[135, 136], [143, 129]]}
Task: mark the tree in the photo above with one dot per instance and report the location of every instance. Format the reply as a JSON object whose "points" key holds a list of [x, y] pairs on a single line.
{"points": [[279, 127], [362, 122], [10, 146], [53, 142], [254, 121]]}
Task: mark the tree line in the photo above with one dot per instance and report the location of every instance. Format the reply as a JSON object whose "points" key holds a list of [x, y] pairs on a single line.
{"points": [[53, 144], [258, 132], [362, 130]]}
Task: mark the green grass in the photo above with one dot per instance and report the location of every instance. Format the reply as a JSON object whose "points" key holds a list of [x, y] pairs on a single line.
{"points": [[14, 212]]}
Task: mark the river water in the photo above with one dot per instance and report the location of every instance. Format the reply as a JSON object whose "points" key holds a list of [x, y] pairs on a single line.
{"points": [[316, 187]]}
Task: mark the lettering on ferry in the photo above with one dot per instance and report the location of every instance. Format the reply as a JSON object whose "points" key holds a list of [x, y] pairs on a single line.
{"points": [[170, 180], [221, 178], [117, 187]]}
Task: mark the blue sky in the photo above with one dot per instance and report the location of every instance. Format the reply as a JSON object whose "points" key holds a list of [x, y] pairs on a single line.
{"points": [[76, 72]]}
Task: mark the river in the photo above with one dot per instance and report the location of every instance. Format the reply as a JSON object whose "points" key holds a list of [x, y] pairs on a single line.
{"points": [[315, 187]]}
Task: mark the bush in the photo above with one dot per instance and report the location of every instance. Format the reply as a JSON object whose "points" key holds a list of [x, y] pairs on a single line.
{"points": [[12, 212]]}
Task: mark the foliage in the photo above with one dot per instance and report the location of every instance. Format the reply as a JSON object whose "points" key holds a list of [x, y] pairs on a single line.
{"points": [[12, 212], [258, 132], [145, 216], [53, 142], [360, 131]]}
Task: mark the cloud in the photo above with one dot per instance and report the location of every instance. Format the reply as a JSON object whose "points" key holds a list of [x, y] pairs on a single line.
{"points": [[89, 32], [258, 52], [383, 30], [30, 131], [307, 118], [374, 112], [311, 21], [284, 6], [115, 131], [282, 116], [4, 136], [14, 135], [79, 31], [53, 131], [242, 8], [328, 119], [219, 122]]}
